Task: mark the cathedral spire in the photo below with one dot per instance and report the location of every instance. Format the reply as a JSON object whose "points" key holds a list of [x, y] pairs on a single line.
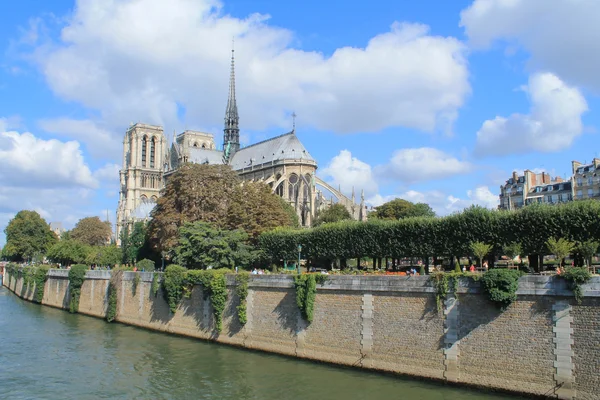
{"points": [[231, 131]]}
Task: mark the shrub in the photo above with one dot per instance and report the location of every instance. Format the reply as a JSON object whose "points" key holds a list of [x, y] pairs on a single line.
{"points": [[146, 265], [576, 276], [501, 285], [173, 281]]}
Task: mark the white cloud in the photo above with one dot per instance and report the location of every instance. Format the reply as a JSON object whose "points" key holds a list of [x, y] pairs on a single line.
{"points": [[422, 164], [561, 35], [553, 123], [28, 161], [99, 142], [141, 60], [109, 173], [349, 172], [441, 203]]}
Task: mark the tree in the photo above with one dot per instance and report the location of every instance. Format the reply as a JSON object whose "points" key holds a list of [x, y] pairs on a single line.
{"points": [[587, 249], [201, 245], [214, 194], [92, 231], [133, 242], [480, 250], [400, 209], [67, 252], [104, 255], [256, 209], [27, 235], [560, 248], [512, 250], [337, 212]]}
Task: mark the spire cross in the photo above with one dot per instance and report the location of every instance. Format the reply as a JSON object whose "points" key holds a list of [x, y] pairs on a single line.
{"points": [[294, 120]]}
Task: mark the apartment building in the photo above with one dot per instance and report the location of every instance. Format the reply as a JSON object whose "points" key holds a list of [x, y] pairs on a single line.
{"points": [[532, 188]]}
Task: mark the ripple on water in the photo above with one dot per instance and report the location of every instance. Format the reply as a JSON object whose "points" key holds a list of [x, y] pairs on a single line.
{"points": [[50, 354]]}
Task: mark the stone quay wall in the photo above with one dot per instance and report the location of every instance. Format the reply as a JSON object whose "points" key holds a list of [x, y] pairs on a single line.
{"points": [[544, 344]]}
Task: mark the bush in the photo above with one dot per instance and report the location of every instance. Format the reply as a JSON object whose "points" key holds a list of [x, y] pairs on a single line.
{"points": [[576, 276], [146, 265], [501, 285]]}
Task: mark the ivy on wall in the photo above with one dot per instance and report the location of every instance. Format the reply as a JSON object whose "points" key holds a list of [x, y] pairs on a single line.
{"points": [[155, 283], [576, 276], [76, 278], [39, 279], [306, 293], [241, 291]]}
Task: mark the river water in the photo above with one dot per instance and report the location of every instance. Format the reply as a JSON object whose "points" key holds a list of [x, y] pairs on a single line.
{"points": [[47, 353]]}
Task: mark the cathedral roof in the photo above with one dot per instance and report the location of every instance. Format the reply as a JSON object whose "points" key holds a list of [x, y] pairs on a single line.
{"points": [[205, 156], [283, 147]]}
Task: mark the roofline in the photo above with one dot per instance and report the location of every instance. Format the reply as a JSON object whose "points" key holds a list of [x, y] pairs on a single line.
{"points": [[268, 140]]}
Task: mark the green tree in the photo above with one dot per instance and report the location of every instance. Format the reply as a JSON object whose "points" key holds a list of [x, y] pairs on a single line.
{"points": [[256, 209], [201, 245], [92, 231], [400, 209], [587, 249], [480, 250], [27, 235], [214, 194], [67, 252], [560, 248], [337, 212], [134, 242], [512, 250], [104, 255]]}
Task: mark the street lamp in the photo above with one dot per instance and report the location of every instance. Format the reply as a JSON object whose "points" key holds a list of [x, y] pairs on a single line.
{"points": [[299, 252]]}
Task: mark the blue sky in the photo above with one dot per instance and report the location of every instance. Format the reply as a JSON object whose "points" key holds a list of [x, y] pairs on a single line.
{"points": [[429, 101]]}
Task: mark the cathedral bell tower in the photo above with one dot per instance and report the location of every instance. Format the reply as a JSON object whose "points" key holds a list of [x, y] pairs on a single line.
{"points": [[144, 153], [231, 132]]}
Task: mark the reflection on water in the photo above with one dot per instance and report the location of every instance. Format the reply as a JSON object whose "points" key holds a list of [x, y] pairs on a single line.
{"points": [[47, 353]]}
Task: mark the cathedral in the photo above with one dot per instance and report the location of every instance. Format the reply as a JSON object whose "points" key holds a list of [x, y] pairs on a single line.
{"points": [[282, 162]]}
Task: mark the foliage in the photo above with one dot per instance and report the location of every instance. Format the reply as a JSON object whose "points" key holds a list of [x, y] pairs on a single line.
{"points": [[173, 281], [145, 265], [400, 209], [452, 235], [511, 250], [480, 250], [560, 247], [441, 283], [136, 281], [306, 293], [422, 270], [214, 285], [155, 284], [587, 249], [104, 255], [113, 289], [576, 277], [457, 266], [27, 236], [336, 213], [92, 231], [241, 291], [134, 242], [214, 194], [201, 246], [67, 252], [501, 285], [40, 277], [76, 278]]}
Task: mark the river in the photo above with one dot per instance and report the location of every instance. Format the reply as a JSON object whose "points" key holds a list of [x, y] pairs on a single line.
{"points": [[46, 353]]}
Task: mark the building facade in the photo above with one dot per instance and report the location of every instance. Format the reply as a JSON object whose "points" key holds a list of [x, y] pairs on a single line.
{"points": [[281, 162], [530, 187]]}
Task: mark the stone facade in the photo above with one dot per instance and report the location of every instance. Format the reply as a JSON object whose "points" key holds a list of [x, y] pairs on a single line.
{"points": [[544, 344]]}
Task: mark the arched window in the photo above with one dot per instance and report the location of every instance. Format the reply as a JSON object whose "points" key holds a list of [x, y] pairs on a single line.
{"points": [[203, 145], [293, 187], [144, 144], [152, 151]]}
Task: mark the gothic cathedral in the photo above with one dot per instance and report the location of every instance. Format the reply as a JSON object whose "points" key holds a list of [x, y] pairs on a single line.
{"points": [[281, 162]]}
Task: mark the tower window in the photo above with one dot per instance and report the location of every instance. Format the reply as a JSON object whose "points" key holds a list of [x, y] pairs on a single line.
{"points": [[152, 150], [144, 144]]}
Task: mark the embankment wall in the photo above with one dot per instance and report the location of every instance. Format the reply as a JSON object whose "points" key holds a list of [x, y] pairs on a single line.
{"points": [[543, 344]]}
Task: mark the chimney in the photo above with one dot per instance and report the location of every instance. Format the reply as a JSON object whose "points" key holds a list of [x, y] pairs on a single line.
{"points": [[515, 176], [545, 178], [596, 162], [575, 165]]}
